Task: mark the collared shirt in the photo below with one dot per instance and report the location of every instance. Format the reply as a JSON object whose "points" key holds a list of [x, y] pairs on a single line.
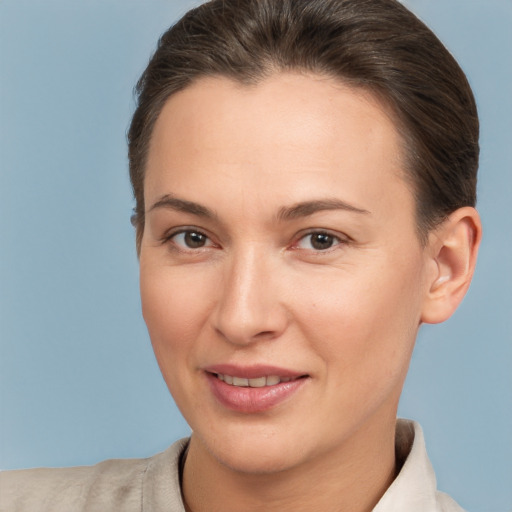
{"points": [[153, 484]]}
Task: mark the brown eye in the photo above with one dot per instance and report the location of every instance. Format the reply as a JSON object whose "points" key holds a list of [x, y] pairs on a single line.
{"points": [[318, 241], [194, 240], [321, 241], [191, 239]]}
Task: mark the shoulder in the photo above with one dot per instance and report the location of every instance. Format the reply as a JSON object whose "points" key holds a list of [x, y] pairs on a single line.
{"points": [[448, 504], [107, 486], [111, 482], [415, 487]]}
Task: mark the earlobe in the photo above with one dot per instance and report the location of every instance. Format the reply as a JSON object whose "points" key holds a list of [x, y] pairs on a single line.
{"points": [[453, 250]]}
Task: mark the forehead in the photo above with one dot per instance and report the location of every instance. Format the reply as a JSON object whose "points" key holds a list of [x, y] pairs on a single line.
{"points": [[290, 135]]}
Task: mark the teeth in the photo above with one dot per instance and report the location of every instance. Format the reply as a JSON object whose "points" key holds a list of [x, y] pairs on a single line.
{"points": [[258, 382], [273, 380]]}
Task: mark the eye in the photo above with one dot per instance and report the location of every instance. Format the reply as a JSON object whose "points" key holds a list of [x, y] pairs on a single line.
{"points": [[318, 241], [190, 239]]}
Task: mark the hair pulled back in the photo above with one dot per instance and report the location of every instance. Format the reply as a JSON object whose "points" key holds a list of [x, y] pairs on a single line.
{"points": [[375, 44]]}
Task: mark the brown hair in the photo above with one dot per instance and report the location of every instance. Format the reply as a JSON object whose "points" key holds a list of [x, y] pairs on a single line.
{"points": [[375, 44]]}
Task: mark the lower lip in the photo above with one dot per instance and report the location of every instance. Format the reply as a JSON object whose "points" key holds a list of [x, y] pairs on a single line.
{"points": [[253, 400]]}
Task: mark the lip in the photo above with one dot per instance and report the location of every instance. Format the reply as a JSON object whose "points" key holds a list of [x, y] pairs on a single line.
{"points": [[253, 371], [253, 400]]}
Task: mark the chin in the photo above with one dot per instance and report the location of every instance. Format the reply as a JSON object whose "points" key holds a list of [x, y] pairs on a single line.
{"points": [[258, 462], [254, 449]]}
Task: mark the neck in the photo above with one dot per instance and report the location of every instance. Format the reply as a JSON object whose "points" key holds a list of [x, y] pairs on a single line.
{"points": [[351, 478]]}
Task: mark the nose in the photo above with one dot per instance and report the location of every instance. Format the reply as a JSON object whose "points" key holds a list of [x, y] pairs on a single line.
{"points": [[250, 306]]}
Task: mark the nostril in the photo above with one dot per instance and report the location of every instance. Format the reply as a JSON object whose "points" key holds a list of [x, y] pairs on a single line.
{"points": [[265, 334]]}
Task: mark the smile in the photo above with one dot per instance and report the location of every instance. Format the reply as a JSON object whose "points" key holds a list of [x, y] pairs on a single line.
{"points": [[253, 389], [258, 382]]}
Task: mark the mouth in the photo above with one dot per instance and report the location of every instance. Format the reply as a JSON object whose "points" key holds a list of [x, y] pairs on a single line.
{"points": [[257, 382], [253, 389]]}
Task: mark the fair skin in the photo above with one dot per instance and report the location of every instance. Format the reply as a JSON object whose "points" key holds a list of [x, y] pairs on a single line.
{"points": [[280, 241]]}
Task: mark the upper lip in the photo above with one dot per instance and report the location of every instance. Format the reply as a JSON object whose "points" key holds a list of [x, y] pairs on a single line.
{"points": [[253, 371]]}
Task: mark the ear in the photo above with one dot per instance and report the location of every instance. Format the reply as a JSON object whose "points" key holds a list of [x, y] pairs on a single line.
{"points": [[452, 251]]}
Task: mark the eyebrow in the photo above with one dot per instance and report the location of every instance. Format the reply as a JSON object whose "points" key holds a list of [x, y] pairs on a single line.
{"points": [[307, 208], [173, 203], [295, 211]]}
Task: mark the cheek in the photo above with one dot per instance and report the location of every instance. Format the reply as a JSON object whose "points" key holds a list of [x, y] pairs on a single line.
{"points": [[174, 312], [364, 336], [173, 309], [364, 322]]}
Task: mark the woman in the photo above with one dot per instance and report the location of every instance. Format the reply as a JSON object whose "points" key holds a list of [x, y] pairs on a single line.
{"points": [[304, 176]]}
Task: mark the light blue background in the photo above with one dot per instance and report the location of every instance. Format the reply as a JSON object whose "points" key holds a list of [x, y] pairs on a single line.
{"points": [[79, 382]]}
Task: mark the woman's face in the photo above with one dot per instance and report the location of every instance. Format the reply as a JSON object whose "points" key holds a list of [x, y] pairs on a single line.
{"points": [[282, 279]]}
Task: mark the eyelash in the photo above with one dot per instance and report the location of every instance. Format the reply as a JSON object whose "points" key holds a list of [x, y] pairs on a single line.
{"points": [[336, 239], [168, 237]]}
